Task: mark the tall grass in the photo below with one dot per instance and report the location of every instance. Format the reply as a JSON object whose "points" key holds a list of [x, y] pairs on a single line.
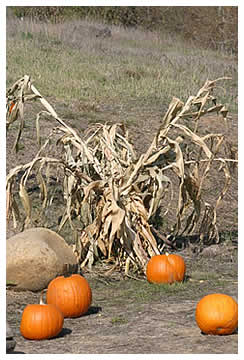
{"points": [[68, 61]]}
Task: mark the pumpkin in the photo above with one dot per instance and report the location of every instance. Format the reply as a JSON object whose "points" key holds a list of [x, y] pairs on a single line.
{"points": [[166, 268], [41, 321], [217, 314], [11, 106], [72, 294]]}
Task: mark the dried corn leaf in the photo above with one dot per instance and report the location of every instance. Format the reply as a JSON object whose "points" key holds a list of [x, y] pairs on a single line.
{"points": [[26, 202], [195, 139], [114, 193], [174, 107], [117, 217], [43, 188]]}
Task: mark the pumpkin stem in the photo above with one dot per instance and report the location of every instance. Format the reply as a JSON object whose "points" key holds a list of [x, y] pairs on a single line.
{"points": [[69, 269], [65, 270], [41, 297]]}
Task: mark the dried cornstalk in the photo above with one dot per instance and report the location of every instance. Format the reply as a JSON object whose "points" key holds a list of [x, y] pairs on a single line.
{"points": [[116, 194]]}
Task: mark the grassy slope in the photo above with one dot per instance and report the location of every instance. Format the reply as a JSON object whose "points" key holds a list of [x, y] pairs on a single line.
{"points": [[130, 76], [69, 62]]}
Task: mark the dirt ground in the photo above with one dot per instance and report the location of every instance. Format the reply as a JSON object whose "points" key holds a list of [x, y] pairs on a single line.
{"points": [[131, 316]]}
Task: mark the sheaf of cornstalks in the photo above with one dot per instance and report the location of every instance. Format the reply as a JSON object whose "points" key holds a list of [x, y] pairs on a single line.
{"points": [[115, 193]]}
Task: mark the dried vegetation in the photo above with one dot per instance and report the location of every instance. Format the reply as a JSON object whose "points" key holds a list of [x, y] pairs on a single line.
{"points": [[112, 196]]}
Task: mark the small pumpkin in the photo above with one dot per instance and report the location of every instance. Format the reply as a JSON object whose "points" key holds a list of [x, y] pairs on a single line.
{"points": [[72, 294], [11, 106], [217, 314], [41, 321], [166, 268]]}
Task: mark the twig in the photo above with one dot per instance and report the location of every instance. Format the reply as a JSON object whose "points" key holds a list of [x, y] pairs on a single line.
{"points": [[163, 238], [134, 278]]}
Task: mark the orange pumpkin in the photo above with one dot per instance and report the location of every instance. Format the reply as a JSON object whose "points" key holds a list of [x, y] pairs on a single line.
{"points": [[41, 321], [217, 314], [71, 294], [11, 106], [166, 268]]}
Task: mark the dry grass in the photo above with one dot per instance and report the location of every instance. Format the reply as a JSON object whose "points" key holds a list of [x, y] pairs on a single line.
{"points": [[145, 67]]}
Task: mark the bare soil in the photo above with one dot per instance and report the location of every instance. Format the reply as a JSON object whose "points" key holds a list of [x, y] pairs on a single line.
{"points": [[131, 316]]}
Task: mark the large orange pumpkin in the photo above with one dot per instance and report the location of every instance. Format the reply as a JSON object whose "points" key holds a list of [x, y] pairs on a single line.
{"points": [[71, 294], [41, 321], [166, 268], [217, 314]]}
